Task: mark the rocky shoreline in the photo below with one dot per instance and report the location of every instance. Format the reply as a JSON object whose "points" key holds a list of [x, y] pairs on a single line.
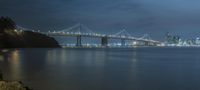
{"points": [[12, 85]]}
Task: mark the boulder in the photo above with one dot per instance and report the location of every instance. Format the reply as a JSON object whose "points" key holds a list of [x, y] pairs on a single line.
{"points": [[12, 85]]}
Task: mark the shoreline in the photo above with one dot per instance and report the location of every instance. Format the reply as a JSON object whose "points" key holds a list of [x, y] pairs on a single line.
{"points": [[11, 85]]}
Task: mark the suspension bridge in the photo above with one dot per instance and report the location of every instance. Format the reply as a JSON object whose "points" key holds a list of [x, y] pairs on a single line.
{"points": [[79, 31]]}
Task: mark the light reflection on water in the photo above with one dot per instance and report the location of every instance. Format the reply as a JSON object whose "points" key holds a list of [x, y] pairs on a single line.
{"points": [[104, 69], [15, 64]]}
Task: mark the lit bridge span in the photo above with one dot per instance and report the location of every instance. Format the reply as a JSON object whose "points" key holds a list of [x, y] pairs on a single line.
{"points": [[80, 31]]}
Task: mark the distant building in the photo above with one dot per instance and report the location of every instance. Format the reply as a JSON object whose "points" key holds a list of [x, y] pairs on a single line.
{"points": [[171, 39], [197, 41]]}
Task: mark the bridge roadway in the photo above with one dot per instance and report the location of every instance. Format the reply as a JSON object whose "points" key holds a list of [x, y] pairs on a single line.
{"points": [[79, 31], [104, 38]]}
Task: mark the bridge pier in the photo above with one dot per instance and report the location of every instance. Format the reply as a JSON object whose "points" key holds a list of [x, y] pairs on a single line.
{"points": [[78, 41], [146, 43], [138, 43], [123, 42], [153, 44], [104, 41]]}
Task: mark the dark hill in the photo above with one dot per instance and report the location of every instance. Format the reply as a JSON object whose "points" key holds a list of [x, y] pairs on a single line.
{"points": [[34, 39], [11, 38]]}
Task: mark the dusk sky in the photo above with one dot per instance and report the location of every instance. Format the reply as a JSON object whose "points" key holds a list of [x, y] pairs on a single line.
{"points": [[155, 17]]}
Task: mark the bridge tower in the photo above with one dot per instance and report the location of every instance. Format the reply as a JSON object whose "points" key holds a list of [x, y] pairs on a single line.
{"points": [[78, 29], [123, 33], [147, 38], [123, 42], [78, 41], [104, 41]]}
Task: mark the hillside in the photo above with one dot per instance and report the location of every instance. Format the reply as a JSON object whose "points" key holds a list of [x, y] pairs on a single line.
{"points": [[12, 38]]}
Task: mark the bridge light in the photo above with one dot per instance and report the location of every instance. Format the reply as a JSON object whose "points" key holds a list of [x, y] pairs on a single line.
{"points": [[15, 30], [134, 43]]}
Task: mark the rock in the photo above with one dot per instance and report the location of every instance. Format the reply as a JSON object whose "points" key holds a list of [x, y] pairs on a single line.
{"points": [[12, 85], [1, 75]]}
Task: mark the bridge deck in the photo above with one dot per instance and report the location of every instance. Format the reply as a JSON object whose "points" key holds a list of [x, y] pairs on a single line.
{"points": [[102, 35]]}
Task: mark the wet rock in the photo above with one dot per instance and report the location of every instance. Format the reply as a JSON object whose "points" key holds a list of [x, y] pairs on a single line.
{"points": [[12, 85], [1, 75]]}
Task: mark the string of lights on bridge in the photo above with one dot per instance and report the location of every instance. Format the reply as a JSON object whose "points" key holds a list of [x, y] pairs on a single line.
{"points": [[78, 30]]}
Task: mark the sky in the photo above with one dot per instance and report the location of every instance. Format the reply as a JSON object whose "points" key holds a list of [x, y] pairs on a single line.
{"points": [[138, 17]]}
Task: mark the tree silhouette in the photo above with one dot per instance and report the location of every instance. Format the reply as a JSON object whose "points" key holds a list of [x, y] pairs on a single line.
{"points": [[6, 23]]}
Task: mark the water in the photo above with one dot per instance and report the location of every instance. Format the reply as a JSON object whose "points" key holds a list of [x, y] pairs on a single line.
{"points": [[104, 69]]}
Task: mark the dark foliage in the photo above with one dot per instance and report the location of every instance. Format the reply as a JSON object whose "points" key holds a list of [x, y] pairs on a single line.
{"points": [[9, 38], [6, 23]]}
